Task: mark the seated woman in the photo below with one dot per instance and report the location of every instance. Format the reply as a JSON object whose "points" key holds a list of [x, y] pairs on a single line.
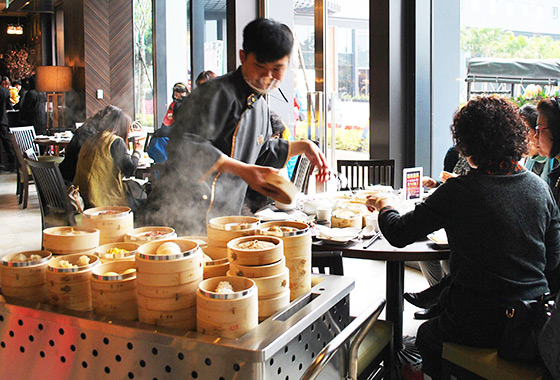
{"points": [[103, 160], [90, 127], [502, 224], [534, 162]]}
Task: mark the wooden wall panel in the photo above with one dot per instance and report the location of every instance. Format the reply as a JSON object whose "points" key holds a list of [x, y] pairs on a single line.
{"points": [[121, 54], [97, 54]]}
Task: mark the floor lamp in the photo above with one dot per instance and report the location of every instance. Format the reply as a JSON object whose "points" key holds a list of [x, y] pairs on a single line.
{"points": [[55, 81]]}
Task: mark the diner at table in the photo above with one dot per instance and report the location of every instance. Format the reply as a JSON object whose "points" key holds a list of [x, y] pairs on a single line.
{"points": [[503, 228], [103, 161]]}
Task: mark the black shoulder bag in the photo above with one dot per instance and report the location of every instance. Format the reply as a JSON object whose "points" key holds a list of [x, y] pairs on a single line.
{"points": [[524, 321]]}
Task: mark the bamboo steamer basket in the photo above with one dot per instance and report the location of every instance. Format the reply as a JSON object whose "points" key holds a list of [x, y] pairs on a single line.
{"points": [[271, 286], [216, 268], [69, 240], [113, 222], [227, 315], [225, 228], [346, 218], [105, 257], [26, 280], [167, 284], [269, 306], [201, 240], [297, 241], [243, 256], [189, 260], [115, 295], [70, 288], [297, 249], [143, 235], [216, 253], [253, 271], [183, 319], [166, 291]]}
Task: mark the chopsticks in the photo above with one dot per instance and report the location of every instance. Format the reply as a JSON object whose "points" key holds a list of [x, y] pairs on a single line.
{"points": [[372, 240]]}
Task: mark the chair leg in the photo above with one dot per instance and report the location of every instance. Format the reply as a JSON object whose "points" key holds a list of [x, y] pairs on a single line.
{"points": [[25, 191]]}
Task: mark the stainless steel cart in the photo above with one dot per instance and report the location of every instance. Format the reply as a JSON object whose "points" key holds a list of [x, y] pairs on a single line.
{"points": [[38, 341]]}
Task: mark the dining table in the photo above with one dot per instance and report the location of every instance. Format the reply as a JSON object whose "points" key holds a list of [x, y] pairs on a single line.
{"points": [[395, 259], [57, 143]]}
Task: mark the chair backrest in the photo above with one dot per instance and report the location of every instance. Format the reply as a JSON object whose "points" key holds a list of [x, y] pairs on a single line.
{"points": [[19, 154], [30, 154], [25, 136], [51, 189], [302, 171], [360, 174], [148, 140], [331, 260]]}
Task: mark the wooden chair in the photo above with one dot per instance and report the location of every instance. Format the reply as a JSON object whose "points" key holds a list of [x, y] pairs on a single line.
{"points": [[25, 136], [364, 343], [23, 175], [56, 209], [360, 174]]}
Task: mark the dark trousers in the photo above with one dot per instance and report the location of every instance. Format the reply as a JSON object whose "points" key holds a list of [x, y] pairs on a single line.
{"points": [[467, 318], [8, 147]]}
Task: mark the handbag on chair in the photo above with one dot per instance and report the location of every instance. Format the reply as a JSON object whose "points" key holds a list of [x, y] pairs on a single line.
{"points": [[524, 321], [76, 199]]}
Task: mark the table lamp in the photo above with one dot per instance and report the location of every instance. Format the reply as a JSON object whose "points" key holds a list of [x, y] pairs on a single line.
{"points": [[55, 81]]}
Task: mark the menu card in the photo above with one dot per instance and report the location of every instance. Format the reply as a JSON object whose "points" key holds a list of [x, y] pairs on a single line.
{"points": [[412, 182]]}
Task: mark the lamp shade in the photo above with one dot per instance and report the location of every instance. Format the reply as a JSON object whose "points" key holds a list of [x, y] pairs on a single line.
{"points": [[54, 78]]}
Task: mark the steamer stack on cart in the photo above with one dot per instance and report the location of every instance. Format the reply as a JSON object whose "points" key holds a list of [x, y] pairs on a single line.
{"points": [[113, 222], [68, 240], [212, 267], [24, 275], [168, 275], [262, 259], [296, 237], [69, 281], [223, 229], [113, 289]]}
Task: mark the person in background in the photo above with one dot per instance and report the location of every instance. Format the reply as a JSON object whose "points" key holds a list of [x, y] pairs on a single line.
{"points": [[32, 110], [221, 141], [9, 163], [14, 93], [502, 224], [104, 159], [204, 76], [540, 165], [5, 83], [71, 153], [157, 148]]}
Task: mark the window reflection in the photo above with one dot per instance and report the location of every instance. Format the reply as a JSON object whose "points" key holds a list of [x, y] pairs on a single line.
{"points": [[143, 63]]}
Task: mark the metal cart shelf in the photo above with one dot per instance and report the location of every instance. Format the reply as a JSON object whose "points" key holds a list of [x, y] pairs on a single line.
{"points": [[38, 341]]}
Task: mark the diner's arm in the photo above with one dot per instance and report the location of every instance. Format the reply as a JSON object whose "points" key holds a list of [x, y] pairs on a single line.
{"points": [[126, 163]]}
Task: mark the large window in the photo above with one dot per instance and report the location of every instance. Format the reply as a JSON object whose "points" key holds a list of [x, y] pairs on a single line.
{"points": [[143, 63]]}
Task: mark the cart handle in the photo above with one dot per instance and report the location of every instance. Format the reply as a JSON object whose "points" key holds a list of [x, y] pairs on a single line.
{"points": [[354, 333]]}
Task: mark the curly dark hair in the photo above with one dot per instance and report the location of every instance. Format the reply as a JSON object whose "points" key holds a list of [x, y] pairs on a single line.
{"points": [[490, 129]]}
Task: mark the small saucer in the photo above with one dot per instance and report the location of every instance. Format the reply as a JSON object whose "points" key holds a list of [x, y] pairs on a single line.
{"points": [[368, 231]]}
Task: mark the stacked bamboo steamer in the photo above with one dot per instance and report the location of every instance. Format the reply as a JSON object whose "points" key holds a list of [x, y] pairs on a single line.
{"points": [[296, 237], [120, 251], [225, 228], [212, 267], [143, 235], [68, 240], [24, 275], [166, 282], [228, 315], [70, 287], [261, 258], [113, 222], [113, 290]]}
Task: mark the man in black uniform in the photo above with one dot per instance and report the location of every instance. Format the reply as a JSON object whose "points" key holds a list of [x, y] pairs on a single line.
{"points": [[9, 162], [220, 141]]}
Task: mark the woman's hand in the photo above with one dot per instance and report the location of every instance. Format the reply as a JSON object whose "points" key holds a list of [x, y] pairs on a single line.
{"points": [[429, 182], [377, 202]]}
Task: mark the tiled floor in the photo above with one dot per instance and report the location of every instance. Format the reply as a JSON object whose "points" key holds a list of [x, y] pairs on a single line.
{"points": [[21, 231]]}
